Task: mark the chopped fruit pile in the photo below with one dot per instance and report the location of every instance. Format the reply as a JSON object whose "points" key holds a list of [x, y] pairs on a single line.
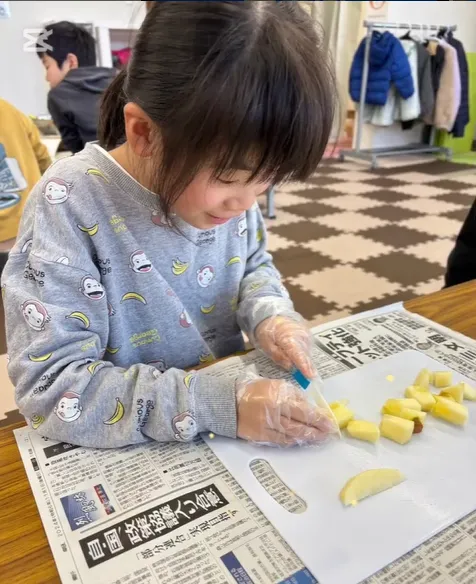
{"points": [[401, 418]]}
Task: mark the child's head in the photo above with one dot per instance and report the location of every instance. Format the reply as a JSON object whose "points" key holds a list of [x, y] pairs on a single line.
{"points": [[71, 47], [220, 100]]}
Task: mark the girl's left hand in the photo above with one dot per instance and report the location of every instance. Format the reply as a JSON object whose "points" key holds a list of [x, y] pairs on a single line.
{"points": [[288, 342]]}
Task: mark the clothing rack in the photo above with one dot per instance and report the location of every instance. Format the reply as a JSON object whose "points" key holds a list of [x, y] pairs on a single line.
{"points": [[371, 154]]}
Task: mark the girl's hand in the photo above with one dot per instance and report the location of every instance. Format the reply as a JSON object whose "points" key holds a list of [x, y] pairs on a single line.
{"points": [[275, 413], [287, 342]]}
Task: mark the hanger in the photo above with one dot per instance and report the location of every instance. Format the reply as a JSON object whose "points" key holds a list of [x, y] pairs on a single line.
{"points": [[407, 36], [441, 34]]}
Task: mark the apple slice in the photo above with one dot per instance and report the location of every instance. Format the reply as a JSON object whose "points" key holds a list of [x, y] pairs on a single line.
{"points": [[362, 430], [423, 379], [397, 429], [442, 378], [469, 392], [368, 483], [342, 413], [423, 397], [454, 391], [450, 411]]}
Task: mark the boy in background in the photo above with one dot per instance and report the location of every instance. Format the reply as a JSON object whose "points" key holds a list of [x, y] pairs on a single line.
{"points": [[76, 83]]}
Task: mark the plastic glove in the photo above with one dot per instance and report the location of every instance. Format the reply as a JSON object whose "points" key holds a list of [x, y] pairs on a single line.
{"points": [[288, 343], [274, 412]]}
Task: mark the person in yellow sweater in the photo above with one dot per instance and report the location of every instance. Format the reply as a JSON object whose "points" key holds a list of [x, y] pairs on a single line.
{"points": [[23, 159]]}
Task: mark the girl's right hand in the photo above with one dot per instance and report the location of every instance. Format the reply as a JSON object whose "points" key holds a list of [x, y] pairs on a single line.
{"points": [[275, 413]]}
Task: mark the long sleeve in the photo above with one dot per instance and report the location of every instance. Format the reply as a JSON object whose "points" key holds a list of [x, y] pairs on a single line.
{"points": [[59, 345], [261, 292], [66, 127], [40, 150]]}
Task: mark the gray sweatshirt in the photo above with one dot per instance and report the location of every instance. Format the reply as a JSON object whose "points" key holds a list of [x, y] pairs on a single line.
{"points": [[106, 305]]}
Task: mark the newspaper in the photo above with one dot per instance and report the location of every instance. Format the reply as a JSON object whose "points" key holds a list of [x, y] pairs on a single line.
{"points": [[170, 512]]}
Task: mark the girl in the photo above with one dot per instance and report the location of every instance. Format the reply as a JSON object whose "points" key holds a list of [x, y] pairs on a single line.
{"points": [[150, 257]]}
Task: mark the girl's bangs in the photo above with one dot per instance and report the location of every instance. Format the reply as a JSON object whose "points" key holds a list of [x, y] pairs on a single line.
{"points": [[268, 121]]}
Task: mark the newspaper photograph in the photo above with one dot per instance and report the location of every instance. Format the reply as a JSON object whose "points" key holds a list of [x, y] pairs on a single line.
{"points": [[171, 512]]}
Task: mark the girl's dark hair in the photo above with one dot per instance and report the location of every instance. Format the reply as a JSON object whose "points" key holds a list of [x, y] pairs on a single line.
{"points": [[66, 37], [229, 85]]}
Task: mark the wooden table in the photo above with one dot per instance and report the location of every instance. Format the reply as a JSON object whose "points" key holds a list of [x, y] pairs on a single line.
{"points": [[25, 556]]}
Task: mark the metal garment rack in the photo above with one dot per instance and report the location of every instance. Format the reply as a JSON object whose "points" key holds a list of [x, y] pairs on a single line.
{"points": [[371, 154]]}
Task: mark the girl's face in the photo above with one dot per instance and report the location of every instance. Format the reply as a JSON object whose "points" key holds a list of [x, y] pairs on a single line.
{"points": [[208, 202]]}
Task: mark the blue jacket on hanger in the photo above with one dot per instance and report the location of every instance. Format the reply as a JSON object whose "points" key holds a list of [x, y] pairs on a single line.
{"points": [[388, 64]]}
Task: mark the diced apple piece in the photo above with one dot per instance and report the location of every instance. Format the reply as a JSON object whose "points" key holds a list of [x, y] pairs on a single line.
{"points": [[368, 483], [342, 413], [443, 397], [450, 411], [411, 403], [442, 379], [454, 391], [396, 429], [362, 430], [423, 379], [394, 407], [469, 392], [336, 404], [424, 398]]}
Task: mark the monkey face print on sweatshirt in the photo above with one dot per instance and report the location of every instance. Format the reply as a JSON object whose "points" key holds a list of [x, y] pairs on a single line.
{"points": [[91, 288]]}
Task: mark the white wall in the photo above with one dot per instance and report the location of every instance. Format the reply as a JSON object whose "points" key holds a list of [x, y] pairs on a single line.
{"points": [[22, 79], [463, 14]]}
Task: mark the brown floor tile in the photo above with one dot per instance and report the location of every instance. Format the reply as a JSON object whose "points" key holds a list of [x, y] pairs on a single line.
{"points": [[459, 214], [384, 182], [325, 169], [401, 296], [311, 209], [443, 167], [397, 236], [458, 198], [322, 181], [304, 231], [434, 167], [387, 196], [293, 261], [406, 270], [391, 213], [319, 193], [451, 185], [307, 304]]}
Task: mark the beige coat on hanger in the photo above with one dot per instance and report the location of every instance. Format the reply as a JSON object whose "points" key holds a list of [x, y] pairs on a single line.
{"points": [[448, 98]]}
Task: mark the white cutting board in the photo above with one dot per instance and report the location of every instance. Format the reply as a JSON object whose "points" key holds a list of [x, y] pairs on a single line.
{"points": [[344, 545]]}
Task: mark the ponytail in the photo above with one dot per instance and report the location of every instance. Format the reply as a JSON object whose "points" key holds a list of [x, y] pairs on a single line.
{"points": [[112, 131]]}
